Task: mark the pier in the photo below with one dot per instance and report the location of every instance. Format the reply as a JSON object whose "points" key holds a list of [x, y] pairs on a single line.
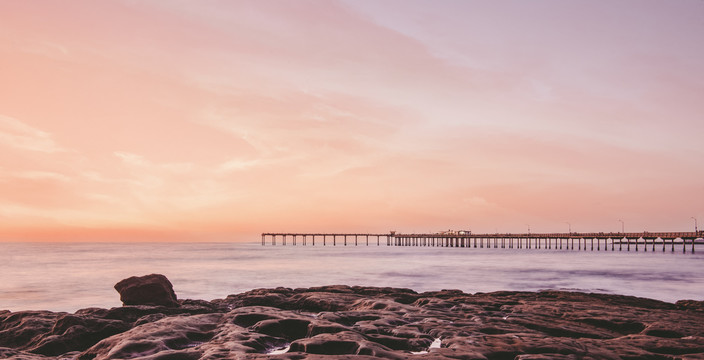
{"points": [[645, 241], [328, 239]]}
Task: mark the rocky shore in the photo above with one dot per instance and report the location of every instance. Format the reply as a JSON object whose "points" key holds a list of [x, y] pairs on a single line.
{"points": [[353, 322]]}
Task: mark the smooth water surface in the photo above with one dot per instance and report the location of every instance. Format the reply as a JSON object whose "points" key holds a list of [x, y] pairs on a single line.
{"points": [[71, 276]]}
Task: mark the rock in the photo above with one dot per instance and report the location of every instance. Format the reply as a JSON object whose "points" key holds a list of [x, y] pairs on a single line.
{"points": [[21, 330], [343, 343], [51, 334], [356, 323], [288, 329], [12, 354], [77, 333], [154, 289], [692, 305], [163, 336]]}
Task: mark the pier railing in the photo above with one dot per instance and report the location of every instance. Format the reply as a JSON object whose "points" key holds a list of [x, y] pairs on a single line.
{"points": [[645, 241]]}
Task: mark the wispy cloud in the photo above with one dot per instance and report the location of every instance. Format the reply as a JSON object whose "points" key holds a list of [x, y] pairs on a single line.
{"points": [[238, 165], [20, 135], [131, 159], [46, 48], [39, 175]]}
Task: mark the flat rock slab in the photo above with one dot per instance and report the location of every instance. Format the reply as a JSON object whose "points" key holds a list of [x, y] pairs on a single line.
{"points": [[343, 322]]}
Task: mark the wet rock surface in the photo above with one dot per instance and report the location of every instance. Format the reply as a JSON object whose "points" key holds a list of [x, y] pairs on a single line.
{"points": [[343, 322]]}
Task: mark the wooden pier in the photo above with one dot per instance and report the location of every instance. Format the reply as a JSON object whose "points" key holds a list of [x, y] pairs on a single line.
{"points": [[328, 239], [645, 241]]}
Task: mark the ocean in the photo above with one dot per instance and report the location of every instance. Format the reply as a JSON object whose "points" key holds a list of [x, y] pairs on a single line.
{"points": [[71, 276]]}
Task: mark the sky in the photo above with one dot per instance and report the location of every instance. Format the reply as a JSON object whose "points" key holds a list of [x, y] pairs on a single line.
{"points": [[213, 120]]}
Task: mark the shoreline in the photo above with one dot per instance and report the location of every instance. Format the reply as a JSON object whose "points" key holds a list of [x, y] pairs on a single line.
{"points": [[565, 290], [340, 321]]}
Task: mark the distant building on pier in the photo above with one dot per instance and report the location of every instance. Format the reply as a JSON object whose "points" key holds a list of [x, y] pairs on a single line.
{"points": [[456, 232]]}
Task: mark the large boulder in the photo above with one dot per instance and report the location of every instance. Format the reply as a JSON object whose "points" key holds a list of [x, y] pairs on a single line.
{"points": [[154, 289]]}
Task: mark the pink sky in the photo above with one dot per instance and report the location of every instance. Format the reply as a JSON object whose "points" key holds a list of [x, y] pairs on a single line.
{"points": [[218, 120]]}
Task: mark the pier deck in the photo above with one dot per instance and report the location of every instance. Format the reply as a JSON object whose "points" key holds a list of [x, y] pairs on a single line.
{"points": [[645, 241]]}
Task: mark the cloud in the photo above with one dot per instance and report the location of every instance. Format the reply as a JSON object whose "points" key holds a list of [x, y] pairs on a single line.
{"points": [[140, 161], [17, 134], [46, 48], [238, 165], [178, 168], [131, 159], [40, 175]]}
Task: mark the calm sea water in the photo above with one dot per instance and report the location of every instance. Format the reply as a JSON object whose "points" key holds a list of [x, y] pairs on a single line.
{"points": [[71, 276]]}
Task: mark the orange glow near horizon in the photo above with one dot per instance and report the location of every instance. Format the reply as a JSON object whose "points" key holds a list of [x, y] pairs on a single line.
{"points": [[215, 121]]}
